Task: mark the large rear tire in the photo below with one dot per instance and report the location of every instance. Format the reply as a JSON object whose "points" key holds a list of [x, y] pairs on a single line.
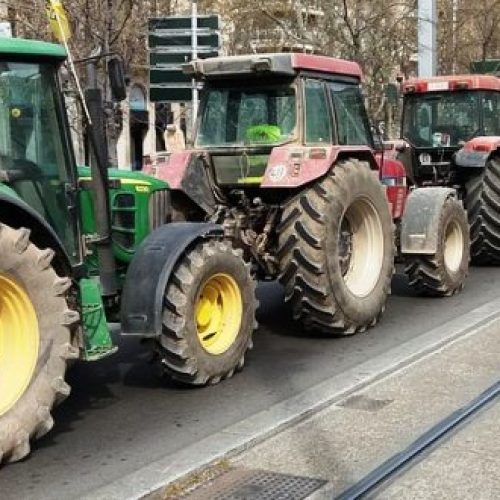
{"points": [[208, 316], [35, 341], [444, 273], [336, 251], [483, 207]]}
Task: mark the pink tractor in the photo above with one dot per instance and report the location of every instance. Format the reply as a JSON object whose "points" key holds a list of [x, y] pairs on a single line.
{"points": [[451, 137], [284, 163]]}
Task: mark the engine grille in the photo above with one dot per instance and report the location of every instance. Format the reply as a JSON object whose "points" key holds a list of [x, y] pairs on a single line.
{"points": [[159, 208], [123, 215]]}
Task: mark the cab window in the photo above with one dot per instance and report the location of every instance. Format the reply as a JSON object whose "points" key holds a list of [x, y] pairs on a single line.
{"points": [[352, 122], [32, 150], [491, 113], [318, 123]]}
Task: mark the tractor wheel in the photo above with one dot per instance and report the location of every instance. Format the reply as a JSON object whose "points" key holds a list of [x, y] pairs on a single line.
{"points": [[336, 251], [208, 315], [443, 273], [35, 341], [483, 207]]}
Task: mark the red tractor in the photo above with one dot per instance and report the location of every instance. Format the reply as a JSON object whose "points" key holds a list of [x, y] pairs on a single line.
{"points": [[451, 133], [283, 160]]}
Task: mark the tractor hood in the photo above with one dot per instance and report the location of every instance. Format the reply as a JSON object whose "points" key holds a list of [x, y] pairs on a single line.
{"points": [[138, 204], [126, 177]]}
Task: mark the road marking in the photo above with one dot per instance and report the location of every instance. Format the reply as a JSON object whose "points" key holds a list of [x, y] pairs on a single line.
{"points": [[256, 428]]}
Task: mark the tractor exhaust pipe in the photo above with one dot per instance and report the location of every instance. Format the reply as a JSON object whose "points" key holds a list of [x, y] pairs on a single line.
{"points": [[100, 182]]}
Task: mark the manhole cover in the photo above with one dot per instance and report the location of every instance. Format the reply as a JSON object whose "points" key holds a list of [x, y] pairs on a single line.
{"points": [[247, 484]]}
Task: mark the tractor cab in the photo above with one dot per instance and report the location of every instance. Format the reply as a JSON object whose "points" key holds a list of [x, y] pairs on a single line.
{"points": [[253, 107], [35, 154], [440, 115], [246, 119]]}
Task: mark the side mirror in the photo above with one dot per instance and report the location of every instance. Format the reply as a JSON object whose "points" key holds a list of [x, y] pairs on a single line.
{"points": [[378, 143], [377, 136], [116, 72]]}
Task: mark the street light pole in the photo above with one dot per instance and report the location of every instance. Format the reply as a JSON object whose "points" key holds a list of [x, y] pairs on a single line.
{"points": [[454, 32], [427, 47]]}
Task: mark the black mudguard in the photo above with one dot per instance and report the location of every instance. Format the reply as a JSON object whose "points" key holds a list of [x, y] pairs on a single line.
{"points": [[16, 213], [149, 273]]}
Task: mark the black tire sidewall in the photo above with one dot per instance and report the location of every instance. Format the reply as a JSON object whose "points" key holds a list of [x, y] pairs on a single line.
{"points": [[355, 187], [30, 414], [51, 334], [481, 189], [220, 364]]}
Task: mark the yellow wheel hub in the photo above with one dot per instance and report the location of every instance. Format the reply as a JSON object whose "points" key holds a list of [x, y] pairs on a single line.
{"points": [[19, 340], [218, 313]]}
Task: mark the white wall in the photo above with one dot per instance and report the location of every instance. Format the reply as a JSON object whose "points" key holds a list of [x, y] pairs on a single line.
{"points": [[123, 152], [124, 143]]}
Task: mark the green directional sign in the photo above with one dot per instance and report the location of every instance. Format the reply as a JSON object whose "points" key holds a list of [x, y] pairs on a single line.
{"points": [[488, 66], [161, 59], [170, 47], [170, 94], [184, 22], [159, 76], [176, 42]]}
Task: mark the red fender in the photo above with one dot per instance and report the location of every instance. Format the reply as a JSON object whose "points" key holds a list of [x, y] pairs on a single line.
{"points": [[484, 144], [393, 176]]}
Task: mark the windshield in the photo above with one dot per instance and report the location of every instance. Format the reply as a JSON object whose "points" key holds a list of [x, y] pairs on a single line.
{"points": [[445, 119], [34, 158], [247, 116]]}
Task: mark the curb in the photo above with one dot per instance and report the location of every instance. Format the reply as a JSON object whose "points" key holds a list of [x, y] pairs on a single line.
{"points": [[256, 428]]}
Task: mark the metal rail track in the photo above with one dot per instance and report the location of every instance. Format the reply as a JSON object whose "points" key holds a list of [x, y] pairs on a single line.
{"points": [[404, 459]]}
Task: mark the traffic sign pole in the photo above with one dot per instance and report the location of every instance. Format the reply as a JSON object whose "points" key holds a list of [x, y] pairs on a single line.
{"points": [[194, 55]]}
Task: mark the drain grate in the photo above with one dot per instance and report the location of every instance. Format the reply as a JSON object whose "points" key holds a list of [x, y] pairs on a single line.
{"points": [[247, 484]]}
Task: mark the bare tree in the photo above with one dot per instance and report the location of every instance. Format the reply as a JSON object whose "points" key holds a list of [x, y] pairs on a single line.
{"points": [[468, 34], [380, 35]]}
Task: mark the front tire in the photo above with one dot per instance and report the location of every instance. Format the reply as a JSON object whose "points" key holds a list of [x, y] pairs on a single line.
{"points": [[336, 251], [208, 315], [483, 207], [444, 273], [35, 341]]}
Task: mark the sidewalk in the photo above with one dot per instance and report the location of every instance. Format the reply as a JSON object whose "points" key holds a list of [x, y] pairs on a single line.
{"points": [[466, 466], [347, 440]]}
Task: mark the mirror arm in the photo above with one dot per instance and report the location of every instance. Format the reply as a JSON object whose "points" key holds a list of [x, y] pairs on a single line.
{"points": [[99, 56]]}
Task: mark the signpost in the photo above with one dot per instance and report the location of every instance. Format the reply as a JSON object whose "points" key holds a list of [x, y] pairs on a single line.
{"points": [[173, 41]]}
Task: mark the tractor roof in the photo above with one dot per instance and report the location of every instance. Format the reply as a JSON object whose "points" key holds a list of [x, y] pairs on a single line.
{"points": [[27, 48], [451, 83], [285, 64]]}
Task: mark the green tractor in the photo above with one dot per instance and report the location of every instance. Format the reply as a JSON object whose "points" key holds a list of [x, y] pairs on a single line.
{"points": [[82, 246]]}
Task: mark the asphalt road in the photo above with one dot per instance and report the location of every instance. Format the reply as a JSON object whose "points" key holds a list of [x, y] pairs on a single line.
{"points": [[119, 417]]}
